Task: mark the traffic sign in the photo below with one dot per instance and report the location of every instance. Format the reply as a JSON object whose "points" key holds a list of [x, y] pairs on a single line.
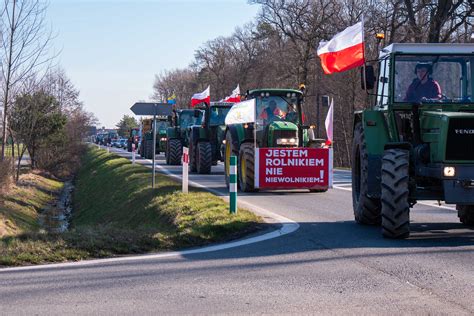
{"points": [[149, 108]]}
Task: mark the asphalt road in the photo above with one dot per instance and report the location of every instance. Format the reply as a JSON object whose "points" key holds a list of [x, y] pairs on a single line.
{"points": [[328, 265]]}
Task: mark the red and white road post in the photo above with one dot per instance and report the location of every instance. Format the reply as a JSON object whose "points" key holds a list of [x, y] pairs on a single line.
{"points": [[185, 169]]}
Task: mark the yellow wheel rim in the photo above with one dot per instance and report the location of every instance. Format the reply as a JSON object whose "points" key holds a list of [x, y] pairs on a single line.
{"points": [[227, 159], [243, 167]]}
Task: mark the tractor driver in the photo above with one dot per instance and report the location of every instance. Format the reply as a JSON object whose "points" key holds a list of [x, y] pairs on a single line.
{"points": [[271, 113], [423, 86]]}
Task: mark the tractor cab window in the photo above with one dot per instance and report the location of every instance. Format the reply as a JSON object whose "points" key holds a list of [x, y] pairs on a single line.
{"points": [[433, 78], [187, 119], [277, 108], [161, 125], [217, 115]]}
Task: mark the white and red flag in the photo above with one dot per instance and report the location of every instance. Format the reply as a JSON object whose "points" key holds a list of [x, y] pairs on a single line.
{"points": [[329, 123], [344, 51], [201, 97], [235, 96]]}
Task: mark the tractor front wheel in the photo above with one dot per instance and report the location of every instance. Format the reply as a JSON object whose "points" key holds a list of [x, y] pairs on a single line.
{"points": [[395, 193], [246, 170], [175, 152], [366, 209], [204, 157], [466, 214]]}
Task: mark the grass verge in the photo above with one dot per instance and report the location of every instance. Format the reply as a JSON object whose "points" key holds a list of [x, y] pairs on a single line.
{"points": [[116, 212]]}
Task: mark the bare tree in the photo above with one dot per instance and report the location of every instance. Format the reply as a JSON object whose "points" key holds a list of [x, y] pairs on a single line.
{"points": [[25, 45]]}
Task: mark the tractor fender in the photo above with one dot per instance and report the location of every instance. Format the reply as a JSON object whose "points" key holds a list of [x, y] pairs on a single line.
{"points": [[171, 132], [195, 134], [357, 119]]}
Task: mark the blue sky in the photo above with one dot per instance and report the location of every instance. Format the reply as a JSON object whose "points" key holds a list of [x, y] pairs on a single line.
{"points": [[111, 50]]}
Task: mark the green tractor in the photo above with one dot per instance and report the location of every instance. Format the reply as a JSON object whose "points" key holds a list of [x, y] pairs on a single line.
{"points": [[417, 140], [205, 140], [177, 133], [162, 123], [279, 123]]}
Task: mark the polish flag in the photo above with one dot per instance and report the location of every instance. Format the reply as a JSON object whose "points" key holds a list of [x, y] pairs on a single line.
{"points": [[235, 96], [329, 123], [201, 97], [344, 51]]}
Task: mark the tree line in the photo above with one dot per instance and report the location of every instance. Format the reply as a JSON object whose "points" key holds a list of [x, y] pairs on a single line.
{"points": [[41, 110], [278, 49]]}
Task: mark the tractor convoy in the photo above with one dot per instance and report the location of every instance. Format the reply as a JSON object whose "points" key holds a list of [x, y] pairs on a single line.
{"points": [[414, 142]]}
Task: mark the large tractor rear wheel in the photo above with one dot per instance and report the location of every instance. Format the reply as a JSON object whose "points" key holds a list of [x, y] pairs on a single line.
{"points": [[228, 152], [466, 214], [204, 157], [395, 193], [246, 170], [175, 152], [366, 209]]}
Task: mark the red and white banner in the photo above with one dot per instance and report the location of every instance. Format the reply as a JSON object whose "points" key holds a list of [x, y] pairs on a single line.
{"points": [[344, 51], [293, 168], [204, 96], [235, 96]]}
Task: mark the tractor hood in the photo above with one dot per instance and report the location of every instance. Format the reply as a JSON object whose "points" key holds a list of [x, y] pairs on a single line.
{"points": [[288, 126], [450, 135], [280, 133]]}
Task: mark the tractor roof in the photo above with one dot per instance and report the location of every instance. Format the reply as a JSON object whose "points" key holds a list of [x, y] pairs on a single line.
{"points": [[218, 103], [428, 48], [273, 90]]}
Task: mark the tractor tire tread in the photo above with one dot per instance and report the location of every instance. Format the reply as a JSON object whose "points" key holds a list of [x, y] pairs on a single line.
{"points": [[395, 194]]}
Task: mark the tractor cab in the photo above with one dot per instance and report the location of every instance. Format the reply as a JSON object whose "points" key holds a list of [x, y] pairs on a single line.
{"points": [[205, 138], [279, 117]]}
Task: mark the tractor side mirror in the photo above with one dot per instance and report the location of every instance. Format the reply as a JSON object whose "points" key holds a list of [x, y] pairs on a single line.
{"points": [[368, 78]]}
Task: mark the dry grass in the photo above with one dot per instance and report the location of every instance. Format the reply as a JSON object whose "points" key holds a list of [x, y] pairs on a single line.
{"points": [[6, 175]]}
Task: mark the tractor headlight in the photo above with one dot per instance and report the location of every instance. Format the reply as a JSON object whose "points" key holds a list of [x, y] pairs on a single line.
{"points": [[287, 141], [449, 171], [163, 139]]}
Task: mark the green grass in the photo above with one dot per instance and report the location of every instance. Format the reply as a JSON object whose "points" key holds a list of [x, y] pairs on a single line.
{"points": [[117, 212], [9, 150]]}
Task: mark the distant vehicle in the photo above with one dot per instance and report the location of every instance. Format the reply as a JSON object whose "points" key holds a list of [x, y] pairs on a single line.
{"points": [[122, 143], [115, 143]]}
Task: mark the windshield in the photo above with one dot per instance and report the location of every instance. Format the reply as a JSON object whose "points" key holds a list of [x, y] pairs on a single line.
{"points": [[433, 78], [161, 125], [187, 119], [217, 115], [277, 108]]}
